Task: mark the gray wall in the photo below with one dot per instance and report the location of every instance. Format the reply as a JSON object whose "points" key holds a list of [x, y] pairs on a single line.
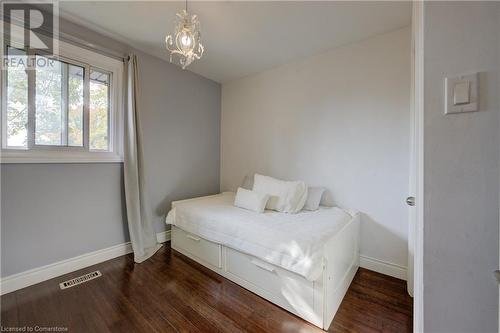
{"points": [[181, 134], [461, 180], [52, 212]]}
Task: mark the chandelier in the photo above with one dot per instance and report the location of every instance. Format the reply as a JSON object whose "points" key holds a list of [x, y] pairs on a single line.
{"points": [[185, 43]]}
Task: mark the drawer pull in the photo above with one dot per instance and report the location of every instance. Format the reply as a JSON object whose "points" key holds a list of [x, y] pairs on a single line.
{"points": [[196, 239], [263, 265]]}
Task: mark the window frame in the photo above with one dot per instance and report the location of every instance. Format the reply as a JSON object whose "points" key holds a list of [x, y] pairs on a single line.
{"points": [[78, 56]]}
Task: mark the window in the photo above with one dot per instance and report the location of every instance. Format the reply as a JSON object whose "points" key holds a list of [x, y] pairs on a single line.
{"points": [[58, 104], [63, 109]]}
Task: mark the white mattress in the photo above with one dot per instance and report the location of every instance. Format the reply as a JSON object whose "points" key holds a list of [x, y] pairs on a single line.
{"points": [[291, 241]]}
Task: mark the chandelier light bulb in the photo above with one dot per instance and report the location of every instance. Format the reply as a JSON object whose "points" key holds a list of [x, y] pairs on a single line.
{"points": [[186, 40]]}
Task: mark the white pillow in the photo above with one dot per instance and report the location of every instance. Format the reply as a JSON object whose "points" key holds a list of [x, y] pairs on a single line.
{"points": [[284, 196], [247, 182], [250, 200], [314, 195]]}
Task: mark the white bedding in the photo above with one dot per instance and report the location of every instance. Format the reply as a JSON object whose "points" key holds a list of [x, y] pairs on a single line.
{"points": [[291, 241]]}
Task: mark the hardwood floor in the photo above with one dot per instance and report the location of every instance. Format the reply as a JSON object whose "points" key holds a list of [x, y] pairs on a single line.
{"points": [[171, 293]]}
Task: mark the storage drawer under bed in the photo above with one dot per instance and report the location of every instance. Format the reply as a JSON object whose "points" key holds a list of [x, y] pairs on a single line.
{"points": [[286, 288], [196, 246]]}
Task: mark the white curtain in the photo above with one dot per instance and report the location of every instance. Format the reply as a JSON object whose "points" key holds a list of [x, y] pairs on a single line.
{"points": [[140, 223]]}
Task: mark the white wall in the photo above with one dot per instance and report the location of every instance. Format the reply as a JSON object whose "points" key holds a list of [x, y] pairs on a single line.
{"points": [[340, 119], [461, 170]]}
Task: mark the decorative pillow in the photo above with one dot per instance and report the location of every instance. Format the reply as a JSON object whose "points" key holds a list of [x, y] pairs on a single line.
{"points": [[284, 196], [251, 200], [314, 195], [248, 182]]}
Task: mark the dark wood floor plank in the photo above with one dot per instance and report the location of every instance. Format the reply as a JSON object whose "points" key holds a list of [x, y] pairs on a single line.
{"points": [[9, 314], [171, 293], [371, 305], [230, 308]]}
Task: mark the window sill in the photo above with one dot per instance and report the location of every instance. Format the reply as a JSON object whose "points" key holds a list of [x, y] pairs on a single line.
{"points": [[10, 157]]}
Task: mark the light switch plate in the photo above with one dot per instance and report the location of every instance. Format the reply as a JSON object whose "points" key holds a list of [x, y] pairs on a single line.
{"points": [[462, 93]]}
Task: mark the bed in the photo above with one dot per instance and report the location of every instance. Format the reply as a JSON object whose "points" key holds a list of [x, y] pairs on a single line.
{"points": [[301, 262]]}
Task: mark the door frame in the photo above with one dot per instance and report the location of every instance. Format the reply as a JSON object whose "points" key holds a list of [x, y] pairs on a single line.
{"points": [[416, 231]]}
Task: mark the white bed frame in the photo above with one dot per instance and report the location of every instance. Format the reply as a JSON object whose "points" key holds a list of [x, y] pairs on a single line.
{"points": [[314, 301]]}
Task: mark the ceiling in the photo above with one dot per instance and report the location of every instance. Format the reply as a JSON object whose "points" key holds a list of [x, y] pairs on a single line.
{"points": [[242, 38]]}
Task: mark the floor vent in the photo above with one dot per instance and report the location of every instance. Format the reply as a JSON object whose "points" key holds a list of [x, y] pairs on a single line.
{"points": [[79, 280]]}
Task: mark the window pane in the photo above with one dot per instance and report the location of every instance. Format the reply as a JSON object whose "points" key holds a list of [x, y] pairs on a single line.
{"points": [[75, 106], [17, 99], [49, 115], [99, 110], [59, 103]]}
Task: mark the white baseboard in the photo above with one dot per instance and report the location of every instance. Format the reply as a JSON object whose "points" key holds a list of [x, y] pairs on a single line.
{"points": [[383, 267], [163, 237], [36, 275], [40, 274]]}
